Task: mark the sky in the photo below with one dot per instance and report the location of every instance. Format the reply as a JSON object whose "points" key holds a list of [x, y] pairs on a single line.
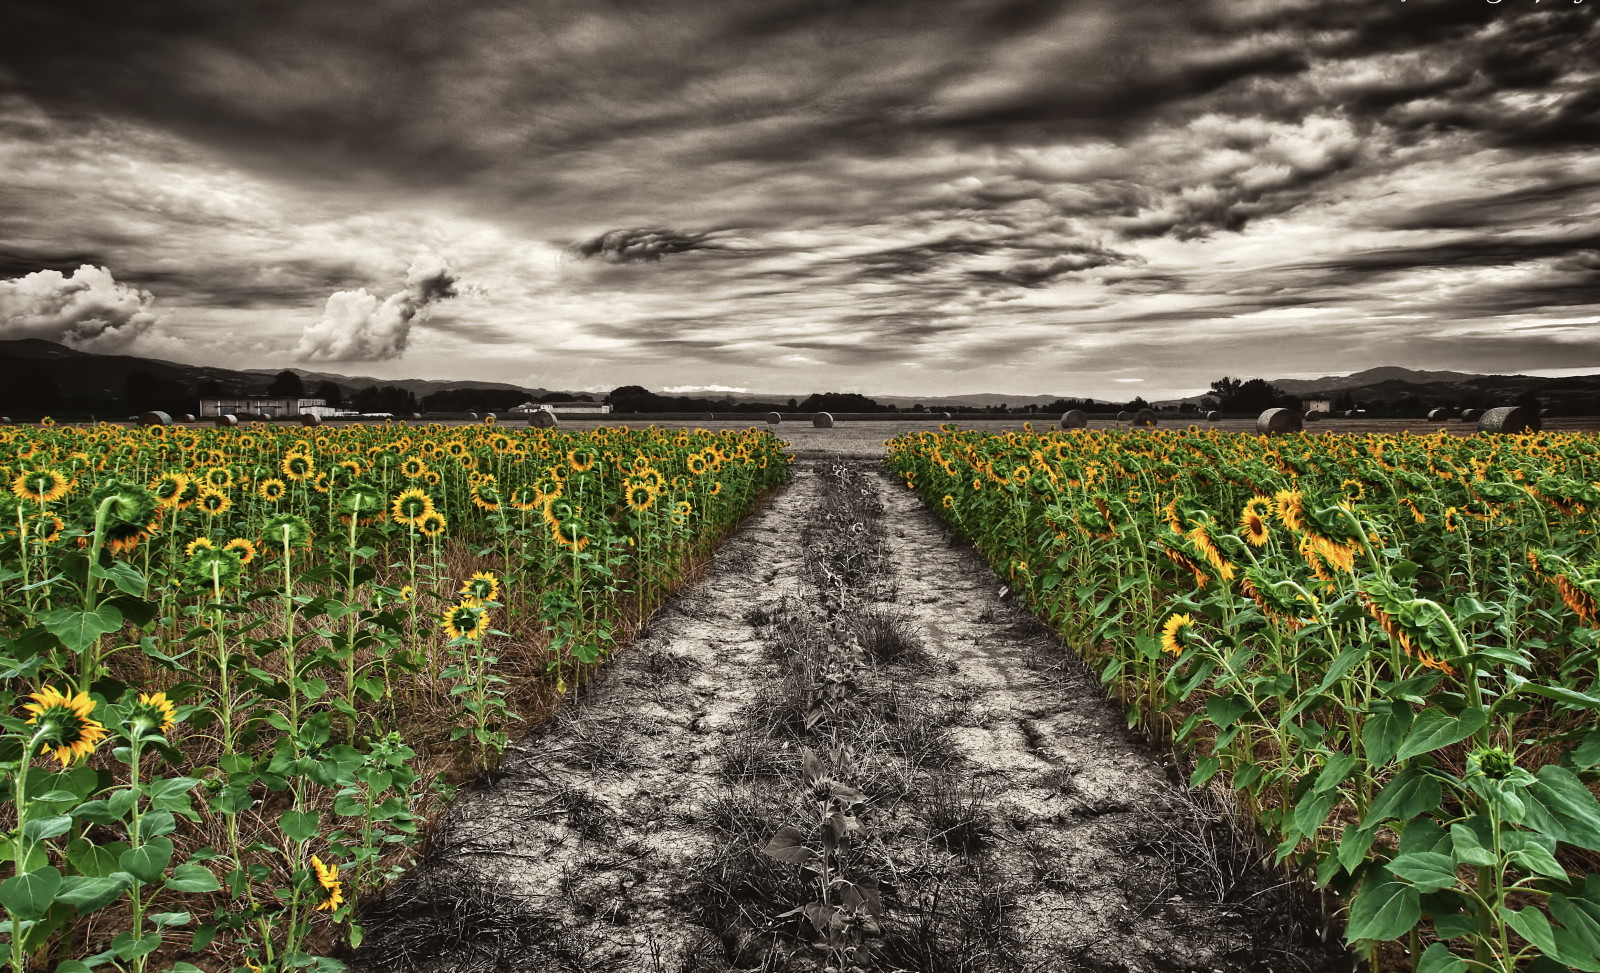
{"points": [[1100, 198]]}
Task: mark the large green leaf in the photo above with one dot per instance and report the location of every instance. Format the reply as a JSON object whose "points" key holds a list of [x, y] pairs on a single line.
{"points": [[1429, 871], [89, 894], [78, 630], [1438, 959], [190, 877], [299, 825], [1410, 793], [149, 860], [1382, 911], [1381, 735], [29, 896], [1559, 805], [1434, 728]]}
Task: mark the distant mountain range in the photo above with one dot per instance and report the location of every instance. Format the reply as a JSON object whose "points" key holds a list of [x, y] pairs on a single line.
{"points": [[40, 377]]}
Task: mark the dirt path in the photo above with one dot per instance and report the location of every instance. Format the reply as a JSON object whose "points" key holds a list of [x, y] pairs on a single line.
{"points": [[980, 805]]}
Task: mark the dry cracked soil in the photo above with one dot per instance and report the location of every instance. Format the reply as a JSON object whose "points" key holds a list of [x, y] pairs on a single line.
{"points": [[973, 801]]}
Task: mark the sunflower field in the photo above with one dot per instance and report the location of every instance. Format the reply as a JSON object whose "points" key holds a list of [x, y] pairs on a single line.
{"points": [[239, 666], [1387, 646]]}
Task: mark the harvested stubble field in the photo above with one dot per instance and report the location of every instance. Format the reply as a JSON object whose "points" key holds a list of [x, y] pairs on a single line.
{"points": [[848, 699]]}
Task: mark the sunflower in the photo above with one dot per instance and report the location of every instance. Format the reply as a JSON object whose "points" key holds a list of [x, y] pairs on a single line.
{"points": [[582, 459], [411, 506], [213, 503], [322, 482], [432, 524], [218, 567], [485, 495], [168, 488], [1253, 525], [64, 723], [41, 486], [716, 487], [129, 513], [413, 467], [641, 495], [1176, 634], [283, 530], [199, 544], [45, 528], [467, 619], [407, 592], [152, 711], [246, 549], [948, 501], [328, 879], [569, 531], [525, 498], [1354, 490], [482, 586], [217, 478], [298, 467], [696, 463], [1290, 507]]}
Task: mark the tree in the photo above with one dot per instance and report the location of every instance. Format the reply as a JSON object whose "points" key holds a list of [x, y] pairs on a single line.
{"points": [[330, 393], [1255, 395], [288, 385]]}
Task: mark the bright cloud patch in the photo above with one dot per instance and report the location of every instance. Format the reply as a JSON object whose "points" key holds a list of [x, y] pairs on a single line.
{"points": [[86, 310]]}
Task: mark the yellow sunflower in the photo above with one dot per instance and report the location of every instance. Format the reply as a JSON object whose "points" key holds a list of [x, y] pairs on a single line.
{"points": [[328, 879], [271, 489], [467, 619], [1176, 633], [246, 549], [482, 586], [65, 723], [410, 506], [1253, 526], [41, 486]]}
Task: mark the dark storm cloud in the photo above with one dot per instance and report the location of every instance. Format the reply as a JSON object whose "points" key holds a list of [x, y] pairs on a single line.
{"points": [[1481, 251], [637, 246]]}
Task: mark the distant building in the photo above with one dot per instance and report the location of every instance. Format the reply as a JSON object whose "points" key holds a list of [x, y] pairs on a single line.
{"points": [[276, 406], [591, 408], [1317, 405]]}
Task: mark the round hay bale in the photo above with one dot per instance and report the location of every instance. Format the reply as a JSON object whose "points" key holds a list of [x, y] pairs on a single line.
{"points": [[946, 415], [471, 417], [416, 417], [822, 420], [773, 418], [1213, 416], [310, 419], [1510, 419], [489, 418], [1145, 417], [155, 418], [1314, 415], [543, 419], [226, 422], [186, 417], [1471, 415], [1124, 416], [1075, 419], [1438, 415], [5, 420], [1275, 421]]}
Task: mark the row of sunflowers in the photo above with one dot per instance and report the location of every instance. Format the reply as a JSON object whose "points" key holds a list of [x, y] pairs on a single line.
{"points": [[1385, 646], [239, 667]]}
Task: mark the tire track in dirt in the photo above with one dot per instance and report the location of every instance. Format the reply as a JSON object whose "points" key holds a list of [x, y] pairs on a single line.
{"points": [[1012, 823]]}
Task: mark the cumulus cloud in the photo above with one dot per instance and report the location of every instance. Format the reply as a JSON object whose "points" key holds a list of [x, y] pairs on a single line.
{"points": [[88, 310], [639, 246], [358, 326]]}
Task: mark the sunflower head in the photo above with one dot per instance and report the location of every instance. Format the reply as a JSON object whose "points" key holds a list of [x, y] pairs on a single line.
{"points": [[360, 500], [410, 506], [483, 586], [168, 488], [65, 723], [1253, 526], [432, 524], [286, 530], [271, 489], [213, 503], [641, 495], [126, 512], [468, 619], [151, 712], [328, 881], [246, 549], [41, 486], [45, 528], [1177, 634], [214, 566]]}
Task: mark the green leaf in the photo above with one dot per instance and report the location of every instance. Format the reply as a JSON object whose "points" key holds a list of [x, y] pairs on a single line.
{"points": [[1224, 710], [1411, 792], [29, 896], [166, 920], [1561, 806], [1438, 959], [89, 894], [1533, 852], [1429, 871], [1383, 731], [1587, 753], [192, 878], [1468, 849], [95, 861], [1580, 917], [299, 825], [148, 861], [1434, 728], [126, 947], [1312, 811], [1204, 771], [1334, 772], [171, 794], [78, 630], [41, 829], [1532, 925], [1382, 911]]}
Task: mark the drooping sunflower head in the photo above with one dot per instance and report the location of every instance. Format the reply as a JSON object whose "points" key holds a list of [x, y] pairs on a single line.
{"points": [[486, 495], [467, 619], [407, 593], [411, 506], [286, 530], [1253, 526], [328, 880], [41, 486], [360, 500], [1177, 634], [482, 586], [198, 544], [126, 512], [214, 566], [1290, 507], [65, 723]]}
